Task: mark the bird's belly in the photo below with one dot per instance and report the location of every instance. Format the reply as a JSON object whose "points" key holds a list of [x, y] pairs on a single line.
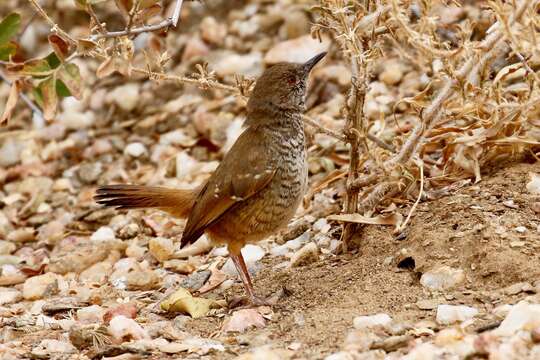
{"points": [[266, 212]]}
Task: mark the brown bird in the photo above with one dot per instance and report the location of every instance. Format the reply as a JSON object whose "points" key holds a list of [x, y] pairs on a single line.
{"points": [[259, 184]]}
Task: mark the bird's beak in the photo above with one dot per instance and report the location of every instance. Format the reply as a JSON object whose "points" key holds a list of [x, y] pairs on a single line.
{"points": [[308, 65]]}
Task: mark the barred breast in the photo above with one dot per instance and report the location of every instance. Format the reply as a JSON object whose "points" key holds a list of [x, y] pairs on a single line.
{"points": [[271, 209]]}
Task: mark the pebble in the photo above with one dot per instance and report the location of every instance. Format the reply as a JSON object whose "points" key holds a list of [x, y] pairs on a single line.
{"points": [[135, 150], [136, 251], [522, 316], [40, 286], [52, 347], [533, 186], [9, 295], [51, 233], [11, 275], [308, 254], [296, 50], [142, 280], [10, 152], [179, 266], [97, 273], [450, 314], [126, 96], [78, 257], [212, 31], [75, 119], [123, 329], [442, 278], [161, 248], [194, 48], [7, 247], [230, 63], [89, 172], [392, 74], [370, 321], [104, 233], [22, 235], [91, 314], [196, 280], [427, 304], [296, 24]]}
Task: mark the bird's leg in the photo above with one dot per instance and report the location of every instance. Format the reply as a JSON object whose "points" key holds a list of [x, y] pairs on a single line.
{"points": [[240, 264]]}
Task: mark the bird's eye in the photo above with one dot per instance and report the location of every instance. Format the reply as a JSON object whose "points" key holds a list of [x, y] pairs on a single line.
{"points": [[291, 79]]}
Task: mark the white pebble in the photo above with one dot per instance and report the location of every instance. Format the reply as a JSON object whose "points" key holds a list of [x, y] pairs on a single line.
{"points": [[135, 149], [450, 314], [104, 233], [442, 278], [370, 321]]}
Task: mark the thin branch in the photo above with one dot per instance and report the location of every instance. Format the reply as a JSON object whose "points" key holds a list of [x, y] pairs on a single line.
{"points": [[165, 24], [472, 65], [54, 27], [25, 98], [415, 205], [313, 123]]}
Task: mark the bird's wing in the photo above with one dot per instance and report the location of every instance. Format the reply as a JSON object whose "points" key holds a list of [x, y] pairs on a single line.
{"points": [[245, 170]]}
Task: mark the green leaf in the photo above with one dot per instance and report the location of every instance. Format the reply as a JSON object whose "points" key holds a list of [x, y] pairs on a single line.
{"points": [[53, 60], [50, 98], [61, 89], [7, 50], [71, 78], [38, 96], [35, 68], [9, 27]]}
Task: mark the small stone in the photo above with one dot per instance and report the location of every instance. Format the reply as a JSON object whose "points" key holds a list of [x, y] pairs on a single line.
{"points": [[135, 149], [51, 346], [10, 152], [213, 32], [296, 50], [308, 254], [371, 321], [97, 273], [126, 96], [104, 233], [179, 266], [535, 206], [22, 235], [196, 280], [522, 316], [90, 172], [51, 233], [142, 280], [230, 64], [392, 74], [40, 286], [427, 304], [124, 329], [91, 314], [533, 186], [296, 24], [9, 295], [442, 278], [135, 251], [129, 231], [161, 248], [7, 247], [516, 288], [450, 314], [194, 48], [75, 119], [521, 229]]}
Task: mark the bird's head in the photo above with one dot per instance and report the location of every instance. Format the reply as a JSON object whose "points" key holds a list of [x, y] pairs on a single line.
{"points": [[282, 87]]}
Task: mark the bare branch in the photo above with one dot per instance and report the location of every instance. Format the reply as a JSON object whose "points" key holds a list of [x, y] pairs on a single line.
{"points": [[165, 24]]}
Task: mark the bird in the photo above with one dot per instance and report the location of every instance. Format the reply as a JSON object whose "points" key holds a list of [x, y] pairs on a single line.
{"points": [[260, 182]]}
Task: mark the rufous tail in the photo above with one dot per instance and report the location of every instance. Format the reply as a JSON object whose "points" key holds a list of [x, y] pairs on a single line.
{"points": [[176, 202]]}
